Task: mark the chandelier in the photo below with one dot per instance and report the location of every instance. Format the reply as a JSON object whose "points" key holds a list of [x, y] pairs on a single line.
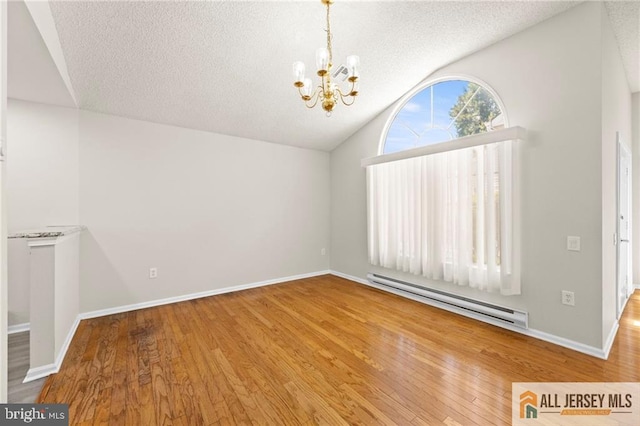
{"points": [[327, 92]]}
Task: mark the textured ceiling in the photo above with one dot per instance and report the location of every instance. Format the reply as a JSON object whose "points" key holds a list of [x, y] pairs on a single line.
{"points": [[225, 67], [625, 19]]}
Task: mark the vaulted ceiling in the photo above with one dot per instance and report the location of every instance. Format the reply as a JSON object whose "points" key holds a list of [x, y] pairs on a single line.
{"points": [[225, 66]]}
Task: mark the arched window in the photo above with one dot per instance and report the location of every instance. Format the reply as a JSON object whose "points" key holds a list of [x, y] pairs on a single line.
{"points": [[442, 111], [448, 211]]}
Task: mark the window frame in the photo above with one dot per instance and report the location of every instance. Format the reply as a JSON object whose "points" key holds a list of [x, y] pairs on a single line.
{"points": [[426, 84], [511, 276]]}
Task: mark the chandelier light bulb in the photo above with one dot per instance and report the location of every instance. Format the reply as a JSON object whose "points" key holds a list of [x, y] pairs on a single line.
{"points": [[353, 63], [308, 86], [298, 71], [322, 60]]}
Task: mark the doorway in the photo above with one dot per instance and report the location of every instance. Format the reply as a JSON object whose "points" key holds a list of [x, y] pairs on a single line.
{"points": [[624, 282]]}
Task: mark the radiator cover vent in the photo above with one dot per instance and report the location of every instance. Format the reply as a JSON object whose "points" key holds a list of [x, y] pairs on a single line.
{"points": [[452, 302]]}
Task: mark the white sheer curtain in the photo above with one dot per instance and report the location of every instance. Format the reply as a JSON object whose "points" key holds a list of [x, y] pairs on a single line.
{"points": [[448, 216]]}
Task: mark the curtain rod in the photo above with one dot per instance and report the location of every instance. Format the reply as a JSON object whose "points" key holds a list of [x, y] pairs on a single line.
{"points": [[508, 134]]}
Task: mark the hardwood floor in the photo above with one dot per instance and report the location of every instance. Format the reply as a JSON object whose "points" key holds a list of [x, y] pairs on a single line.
{"points": [[316, 351]]}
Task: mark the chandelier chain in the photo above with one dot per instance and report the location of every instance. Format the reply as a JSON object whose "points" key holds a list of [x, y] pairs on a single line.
{"points": [[329, 36]]}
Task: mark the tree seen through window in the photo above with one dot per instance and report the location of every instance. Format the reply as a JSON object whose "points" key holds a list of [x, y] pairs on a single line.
{"points": [[443, 111]]}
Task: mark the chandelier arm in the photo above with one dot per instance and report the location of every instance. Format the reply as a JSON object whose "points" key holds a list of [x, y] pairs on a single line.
{"points": [[353, 99], [316, 95], [353, 86], [343, 96]]}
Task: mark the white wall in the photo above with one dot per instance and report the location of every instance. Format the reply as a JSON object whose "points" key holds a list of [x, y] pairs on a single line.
{"points": [[54, 280], [66, 303], [42, 337], [635, 218], [209, 211], [616, 117], [42, 165], [549, 78], [18, 280], [42, 184]]}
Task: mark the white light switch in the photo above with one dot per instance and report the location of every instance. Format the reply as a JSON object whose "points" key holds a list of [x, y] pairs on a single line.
{"points": [[573, 243]]}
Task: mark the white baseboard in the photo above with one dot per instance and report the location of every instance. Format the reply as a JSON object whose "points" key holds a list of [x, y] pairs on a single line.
{"points": [[637, 286], [567, 343], [159, 302], [541, 335], [18, 328], [610, 339], [66, 343], [350, 277], [46, 370], [40, 372]]}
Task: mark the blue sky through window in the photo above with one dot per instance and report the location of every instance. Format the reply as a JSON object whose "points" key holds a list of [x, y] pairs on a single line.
{"points": [[422, 121]]}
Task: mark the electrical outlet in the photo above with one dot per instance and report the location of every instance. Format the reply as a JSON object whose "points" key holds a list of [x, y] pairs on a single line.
{"points": [[323, 252], [573, 243], [568, 298], [153, 273]]}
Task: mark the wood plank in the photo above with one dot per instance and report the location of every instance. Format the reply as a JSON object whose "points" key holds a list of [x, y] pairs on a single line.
{"points": [[187, 392], [132, 390], [119, 382]]}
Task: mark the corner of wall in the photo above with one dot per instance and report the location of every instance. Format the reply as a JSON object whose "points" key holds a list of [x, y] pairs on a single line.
{"points": [[615, 120], [635, 153]]}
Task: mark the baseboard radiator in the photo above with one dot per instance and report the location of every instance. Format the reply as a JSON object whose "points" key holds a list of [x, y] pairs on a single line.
{"points": [[452, 302]]}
